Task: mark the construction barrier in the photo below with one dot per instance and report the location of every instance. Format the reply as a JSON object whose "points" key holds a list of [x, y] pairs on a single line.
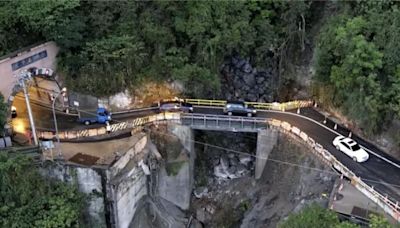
{"points": [[77, 134], [388, 205]]}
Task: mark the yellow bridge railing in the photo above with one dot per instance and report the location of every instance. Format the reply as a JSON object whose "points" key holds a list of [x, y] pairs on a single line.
{"points": [[258, 105], [203, 102]]}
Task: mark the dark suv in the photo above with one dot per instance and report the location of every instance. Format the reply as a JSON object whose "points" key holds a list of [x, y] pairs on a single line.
{"points": [[239, 108], [176, 106]]}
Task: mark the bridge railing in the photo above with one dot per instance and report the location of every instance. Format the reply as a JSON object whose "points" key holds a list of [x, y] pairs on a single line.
{"points": [[204, 102], [220, 122], [388, 204], [258, 105]]}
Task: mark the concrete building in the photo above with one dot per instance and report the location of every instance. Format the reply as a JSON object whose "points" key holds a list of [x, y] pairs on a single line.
{"points": [[39, 56]]}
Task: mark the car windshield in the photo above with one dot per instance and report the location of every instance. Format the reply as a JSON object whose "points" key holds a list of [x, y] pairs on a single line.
{"points": [[170, 105], [238, 106], [355, 147]]}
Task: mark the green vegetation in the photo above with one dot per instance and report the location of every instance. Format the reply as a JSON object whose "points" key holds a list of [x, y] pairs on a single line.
{"points": [[358, 63], [315, 216], [107, 46], [29, 200], [3, 113]]}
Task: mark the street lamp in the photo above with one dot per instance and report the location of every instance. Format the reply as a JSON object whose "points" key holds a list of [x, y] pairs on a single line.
{"points": [[55, 118]]}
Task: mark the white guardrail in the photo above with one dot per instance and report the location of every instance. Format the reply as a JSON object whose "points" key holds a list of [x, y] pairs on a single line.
{"points": [[390, 207]]}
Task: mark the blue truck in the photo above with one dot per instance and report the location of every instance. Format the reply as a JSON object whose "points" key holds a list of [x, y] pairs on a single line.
{"points": [[102, 116]]}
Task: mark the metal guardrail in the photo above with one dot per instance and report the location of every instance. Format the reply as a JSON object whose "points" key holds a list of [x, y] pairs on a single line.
{"points": [[218, 122], [388, 205]]}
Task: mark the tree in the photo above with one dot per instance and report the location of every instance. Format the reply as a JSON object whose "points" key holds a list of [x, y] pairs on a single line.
{"points": [[314, 216], [353, 66], [29, 200]]}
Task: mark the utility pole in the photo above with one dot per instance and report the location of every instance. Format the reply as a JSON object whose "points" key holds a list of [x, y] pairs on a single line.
{"points": [[55, 119], [22, 77]]}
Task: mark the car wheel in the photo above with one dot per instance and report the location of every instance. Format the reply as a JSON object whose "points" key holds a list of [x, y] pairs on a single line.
{"points": [[354, 159], [87, 122], [229, 113]]}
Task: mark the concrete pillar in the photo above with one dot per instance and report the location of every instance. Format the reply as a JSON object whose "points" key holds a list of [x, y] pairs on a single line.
{"points": [[266, 140], [177, 188]]}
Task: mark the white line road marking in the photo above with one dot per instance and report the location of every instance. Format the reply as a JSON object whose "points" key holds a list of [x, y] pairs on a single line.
{"points": [[305, 117]]}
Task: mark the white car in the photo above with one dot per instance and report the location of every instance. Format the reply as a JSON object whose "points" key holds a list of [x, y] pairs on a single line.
{"points": [[351, 148]]}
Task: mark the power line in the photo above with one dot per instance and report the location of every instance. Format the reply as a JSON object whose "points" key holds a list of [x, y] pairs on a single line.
{"points": [[270, 159], [281, 162]]}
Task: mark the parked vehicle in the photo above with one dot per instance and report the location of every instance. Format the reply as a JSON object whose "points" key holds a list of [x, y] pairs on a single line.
{"points": [[350, 148], [102, 116], [176, 106], [239, 108]]}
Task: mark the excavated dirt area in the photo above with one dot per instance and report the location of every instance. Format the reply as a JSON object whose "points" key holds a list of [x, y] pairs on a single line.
{"points": [[292, 178]]}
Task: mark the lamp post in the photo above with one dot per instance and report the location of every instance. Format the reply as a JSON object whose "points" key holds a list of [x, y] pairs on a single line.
{"points": [[22, 77], [55, 119]]}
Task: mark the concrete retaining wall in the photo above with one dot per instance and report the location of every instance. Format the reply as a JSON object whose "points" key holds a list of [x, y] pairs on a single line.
{"points": [[177, 189], [89, 181], [266, 140]]}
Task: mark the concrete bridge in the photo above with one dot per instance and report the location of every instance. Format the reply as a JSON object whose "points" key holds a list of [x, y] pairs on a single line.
{"points": [[378, 178]]}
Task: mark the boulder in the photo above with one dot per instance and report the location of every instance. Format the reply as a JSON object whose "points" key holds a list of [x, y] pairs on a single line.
{"points": [[237, 84], [240, 64], [200, 192], [231, 171], [224, 161], [241, 170], [245, 159], [201, 214], [260, 79], [252, 97], [234, 161], [215, 161], [196, 224], [220, 172], [249, 79], [247, 68]]}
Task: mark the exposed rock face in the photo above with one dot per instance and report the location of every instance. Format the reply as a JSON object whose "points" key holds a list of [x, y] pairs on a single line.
{"points": [[243, 82], [246, 202], [232, 167]]}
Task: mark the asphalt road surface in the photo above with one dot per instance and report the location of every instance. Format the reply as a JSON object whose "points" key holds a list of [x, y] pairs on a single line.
{"points": [[380, 170]]}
